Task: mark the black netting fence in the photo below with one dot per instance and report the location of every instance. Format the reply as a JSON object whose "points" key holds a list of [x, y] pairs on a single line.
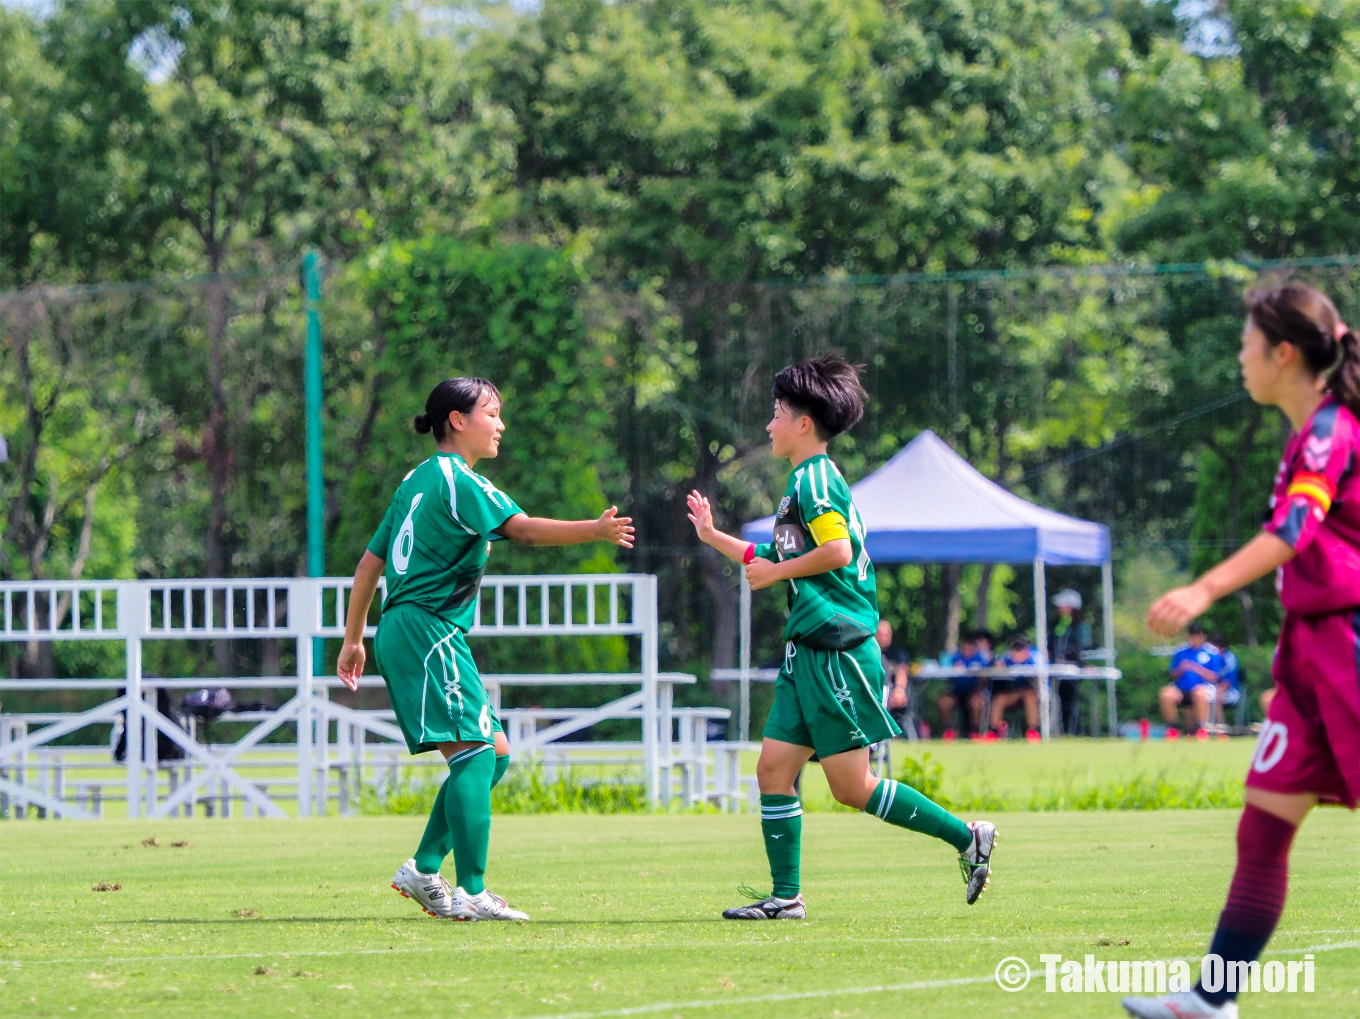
{"points": [[156, 429]]}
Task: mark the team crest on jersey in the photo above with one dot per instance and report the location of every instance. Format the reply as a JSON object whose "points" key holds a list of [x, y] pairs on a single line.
{"points": [[1316, 451]]}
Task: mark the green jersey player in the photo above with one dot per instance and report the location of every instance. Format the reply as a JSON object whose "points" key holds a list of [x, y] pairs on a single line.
{"points": [[432, 547], [828, 697]]}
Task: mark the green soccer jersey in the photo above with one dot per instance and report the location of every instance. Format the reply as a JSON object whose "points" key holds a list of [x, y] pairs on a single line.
{"points": [[437, 535], [838, 609]]}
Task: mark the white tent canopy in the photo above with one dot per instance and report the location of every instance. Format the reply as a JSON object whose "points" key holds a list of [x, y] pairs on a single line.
{"points": [[928, 504]]}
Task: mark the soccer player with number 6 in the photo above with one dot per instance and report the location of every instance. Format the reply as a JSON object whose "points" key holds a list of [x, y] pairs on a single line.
{"points": [[829, 696], [433, 546], [1299, 356]]}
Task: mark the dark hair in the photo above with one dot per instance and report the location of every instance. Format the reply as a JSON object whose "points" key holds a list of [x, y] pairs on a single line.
{"points": [[1218, 640], [826, 389], [1194, 628], [986, 635], [461, 394], [1019, 643], [1306, 317]]}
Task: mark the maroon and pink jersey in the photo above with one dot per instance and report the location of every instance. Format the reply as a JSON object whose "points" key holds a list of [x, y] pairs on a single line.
{"points": [[1316, 509]]}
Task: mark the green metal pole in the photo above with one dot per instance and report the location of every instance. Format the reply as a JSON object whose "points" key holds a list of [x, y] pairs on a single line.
{"points": [[316, 493]]}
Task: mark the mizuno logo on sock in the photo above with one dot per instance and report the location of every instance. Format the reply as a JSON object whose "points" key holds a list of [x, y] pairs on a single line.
{"points": [[914, 812], [776, 836]]}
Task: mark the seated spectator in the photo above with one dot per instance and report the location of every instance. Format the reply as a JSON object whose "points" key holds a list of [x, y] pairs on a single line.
{"points": [[896, 662], [1070, 637], [1021, 689], [1229, 679], [985, 644], [974, 653], [1195, 669]]}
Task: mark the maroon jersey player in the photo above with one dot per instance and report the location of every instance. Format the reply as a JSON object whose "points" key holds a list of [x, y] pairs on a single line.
{"points": [[1299, 356]]}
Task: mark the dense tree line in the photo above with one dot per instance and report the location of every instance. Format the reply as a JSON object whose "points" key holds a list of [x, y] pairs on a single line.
{"points": [[630, 214]]}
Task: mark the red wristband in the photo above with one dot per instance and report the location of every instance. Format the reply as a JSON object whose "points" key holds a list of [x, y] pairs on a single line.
{"points": [[748, 555]]}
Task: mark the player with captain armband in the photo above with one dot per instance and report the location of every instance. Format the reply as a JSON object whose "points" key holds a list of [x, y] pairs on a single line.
{"points": [[1299, 356], [828, 697]]}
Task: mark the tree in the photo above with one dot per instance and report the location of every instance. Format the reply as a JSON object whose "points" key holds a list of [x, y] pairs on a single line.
{"points": [[703, 144], [73, 185]]}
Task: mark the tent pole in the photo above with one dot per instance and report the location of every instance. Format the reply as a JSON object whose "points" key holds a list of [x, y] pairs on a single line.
{"points": [[1041, 643], [744, 713], [1107, 614]]}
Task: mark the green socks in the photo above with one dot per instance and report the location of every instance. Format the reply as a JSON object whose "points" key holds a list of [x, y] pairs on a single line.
{"points": [[781, 822], [460, 821], [435, 843], [903, 806], [467, 808]]}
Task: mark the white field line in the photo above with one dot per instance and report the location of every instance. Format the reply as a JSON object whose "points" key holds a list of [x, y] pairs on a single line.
{"points": [[748, 999], [563, 947], [845, 992]]}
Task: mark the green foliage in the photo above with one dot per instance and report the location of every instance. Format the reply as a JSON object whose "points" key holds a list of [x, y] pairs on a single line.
{"points": [[923, 775], [1247, 151], [521, 791]]}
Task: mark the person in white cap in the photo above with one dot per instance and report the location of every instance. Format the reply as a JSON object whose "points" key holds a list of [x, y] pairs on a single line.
{"points": [[1071, 636]]}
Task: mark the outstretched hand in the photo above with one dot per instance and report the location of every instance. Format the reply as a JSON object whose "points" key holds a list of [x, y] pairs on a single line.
{"points": [[350, 665], [615, 529], [700, 514], [1172, 611]]}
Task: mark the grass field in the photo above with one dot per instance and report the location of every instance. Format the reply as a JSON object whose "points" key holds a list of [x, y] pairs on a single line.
{"points": [[263, 918]]}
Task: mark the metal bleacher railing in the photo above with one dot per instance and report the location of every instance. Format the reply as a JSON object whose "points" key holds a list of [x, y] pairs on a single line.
{"points": [[335, 744]]}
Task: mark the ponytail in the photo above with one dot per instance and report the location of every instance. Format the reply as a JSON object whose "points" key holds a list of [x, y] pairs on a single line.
{"points": [[1306, 318], [461, 395], [1344, 382]]}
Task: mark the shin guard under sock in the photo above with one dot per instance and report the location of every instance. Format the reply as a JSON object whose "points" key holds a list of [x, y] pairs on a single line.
{"points": [[436, 842], [467, 806], [903, 806], [1256, 895], [781, 822]]}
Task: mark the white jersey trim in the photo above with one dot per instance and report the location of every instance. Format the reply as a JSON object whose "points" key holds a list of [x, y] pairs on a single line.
{"points": [[446, 466]]}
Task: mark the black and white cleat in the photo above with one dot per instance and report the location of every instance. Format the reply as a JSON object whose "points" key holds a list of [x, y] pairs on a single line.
{"points": [[976, 861], [769, 909]]}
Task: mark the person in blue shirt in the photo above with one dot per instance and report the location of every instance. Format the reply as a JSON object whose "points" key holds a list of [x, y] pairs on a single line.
{"points": [[1230, 678], [1021, 689], [975, 652], [1196, 667]]}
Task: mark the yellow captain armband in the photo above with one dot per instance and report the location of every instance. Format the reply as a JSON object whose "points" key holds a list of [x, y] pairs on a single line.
{"points": [[1317, 487], [828, 527]]}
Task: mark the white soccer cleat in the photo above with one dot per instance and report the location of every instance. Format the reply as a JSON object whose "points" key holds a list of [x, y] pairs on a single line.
{"points": [[486, 905], [431, 892], [1181, 1005]]}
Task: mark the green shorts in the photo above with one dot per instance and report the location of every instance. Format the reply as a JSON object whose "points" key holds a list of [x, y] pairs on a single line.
{"points": [[432, 680], [831, 701]]}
